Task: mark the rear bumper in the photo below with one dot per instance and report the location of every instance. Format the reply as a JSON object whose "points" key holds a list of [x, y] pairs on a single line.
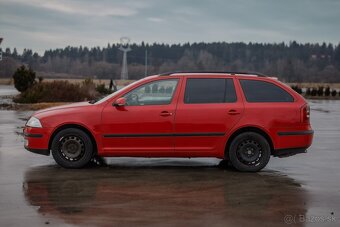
{"points": [[293, 139], [296, 133], [292, 142], [281, 153]]}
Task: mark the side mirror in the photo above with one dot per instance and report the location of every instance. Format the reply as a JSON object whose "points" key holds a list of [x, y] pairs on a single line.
{"points": [[120, 102]]}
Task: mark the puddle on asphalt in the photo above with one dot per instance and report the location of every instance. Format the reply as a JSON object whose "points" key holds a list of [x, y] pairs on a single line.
{"points": [[320, 110]]}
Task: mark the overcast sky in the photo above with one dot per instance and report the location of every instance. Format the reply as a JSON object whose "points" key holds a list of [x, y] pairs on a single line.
{"points": [[46, 24]]}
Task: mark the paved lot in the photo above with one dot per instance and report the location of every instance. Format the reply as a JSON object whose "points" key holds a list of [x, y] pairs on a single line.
{"points": [[304, 189]]}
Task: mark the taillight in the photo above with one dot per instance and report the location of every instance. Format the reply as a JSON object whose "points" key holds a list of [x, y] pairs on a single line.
{"points": [[305, 114]]}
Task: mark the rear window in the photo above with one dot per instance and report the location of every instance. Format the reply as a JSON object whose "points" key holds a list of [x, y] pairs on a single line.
{"points": [[204, 90], [262, 91]]}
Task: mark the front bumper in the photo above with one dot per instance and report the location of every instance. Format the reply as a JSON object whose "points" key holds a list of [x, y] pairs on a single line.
{"points": [[38, 151], [36, 140]]}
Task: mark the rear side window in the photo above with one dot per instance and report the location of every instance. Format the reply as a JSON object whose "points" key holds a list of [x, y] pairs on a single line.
{"points": [[204, 90], [261, 91]]}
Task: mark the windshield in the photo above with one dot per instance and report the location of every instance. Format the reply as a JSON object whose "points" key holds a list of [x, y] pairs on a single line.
{"points": [[116, 92]]}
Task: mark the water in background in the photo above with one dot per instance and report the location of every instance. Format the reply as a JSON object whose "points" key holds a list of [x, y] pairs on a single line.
{"points": [[8, 90], [6, 94]]}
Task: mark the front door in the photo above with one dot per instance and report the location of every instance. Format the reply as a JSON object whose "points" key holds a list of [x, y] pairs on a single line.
{"points": [[145, 125]]}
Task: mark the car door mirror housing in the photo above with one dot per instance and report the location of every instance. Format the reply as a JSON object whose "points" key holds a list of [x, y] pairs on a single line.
{"points": [[120, 102]]}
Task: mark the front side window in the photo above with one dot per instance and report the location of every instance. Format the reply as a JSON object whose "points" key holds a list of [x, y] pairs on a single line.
{"points": [[154, 93], [262, 91], [206, 90]]}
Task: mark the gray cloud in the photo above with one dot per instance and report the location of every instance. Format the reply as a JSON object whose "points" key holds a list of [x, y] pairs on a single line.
{"points": [[41, 25]]}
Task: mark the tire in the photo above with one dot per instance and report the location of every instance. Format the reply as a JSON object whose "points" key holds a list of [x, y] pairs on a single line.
{"points": [[72, 148], [249, 152]]}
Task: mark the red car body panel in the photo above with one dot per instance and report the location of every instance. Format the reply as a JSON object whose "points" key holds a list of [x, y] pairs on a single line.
{"points": [[177, 129]]}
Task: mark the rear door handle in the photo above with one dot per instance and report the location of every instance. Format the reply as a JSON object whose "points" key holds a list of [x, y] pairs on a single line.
{"points": [[233, 112], [165, 114]]}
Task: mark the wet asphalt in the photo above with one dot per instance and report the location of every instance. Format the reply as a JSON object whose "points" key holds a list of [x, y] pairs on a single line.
{"points": [[302, 190]]}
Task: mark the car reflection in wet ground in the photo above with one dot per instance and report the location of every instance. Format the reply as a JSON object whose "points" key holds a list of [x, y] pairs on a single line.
{"points": [[303, 189], [163, 195]]}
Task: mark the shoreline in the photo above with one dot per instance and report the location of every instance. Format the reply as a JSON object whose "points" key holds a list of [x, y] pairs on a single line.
{"points": [[30, 106]]}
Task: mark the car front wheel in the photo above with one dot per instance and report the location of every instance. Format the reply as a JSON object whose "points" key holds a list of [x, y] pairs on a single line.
{"points": [[72, 148], [249, 152]]}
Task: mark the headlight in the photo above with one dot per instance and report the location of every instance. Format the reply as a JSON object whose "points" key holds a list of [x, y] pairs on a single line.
{"points": [[34, 123]]}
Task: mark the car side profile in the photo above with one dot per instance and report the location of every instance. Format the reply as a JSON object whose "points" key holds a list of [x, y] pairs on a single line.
{"points": [[243, 118]]}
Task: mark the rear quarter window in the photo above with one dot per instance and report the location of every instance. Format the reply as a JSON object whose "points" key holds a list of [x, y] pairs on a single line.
{"points": [[262, 91]]}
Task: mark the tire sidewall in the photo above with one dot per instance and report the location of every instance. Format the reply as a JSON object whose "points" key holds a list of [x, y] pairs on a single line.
{"points": [[265, 152], [58, 157]]}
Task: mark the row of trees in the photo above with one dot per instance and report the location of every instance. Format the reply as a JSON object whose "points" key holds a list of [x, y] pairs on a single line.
{"points": [[291, 62]]}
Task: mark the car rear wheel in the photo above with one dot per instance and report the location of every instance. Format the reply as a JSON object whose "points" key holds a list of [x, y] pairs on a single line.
{"points": [[249, 152], [72, 148]]}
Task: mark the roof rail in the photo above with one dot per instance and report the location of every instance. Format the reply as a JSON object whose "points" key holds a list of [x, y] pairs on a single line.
{"points": [[222, 72]]}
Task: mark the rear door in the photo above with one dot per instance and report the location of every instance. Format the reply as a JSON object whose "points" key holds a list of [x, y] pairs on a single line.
{"points": [[207, 110]]}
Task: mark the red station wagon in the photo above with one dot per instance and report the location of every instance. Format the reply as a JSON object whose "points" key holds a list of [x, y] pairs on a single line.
{"points": [[243, 118]]}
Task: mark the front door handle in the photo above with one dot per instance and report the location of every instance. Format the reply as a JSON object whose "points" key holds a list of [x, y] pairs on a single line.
{"points": [[165, 114], [233, 112]]}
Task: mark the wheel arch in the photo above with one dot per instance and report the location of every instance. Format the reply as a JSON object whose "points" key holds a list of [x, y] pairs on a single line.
{"points": [[248, 129], [77, 126]]}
